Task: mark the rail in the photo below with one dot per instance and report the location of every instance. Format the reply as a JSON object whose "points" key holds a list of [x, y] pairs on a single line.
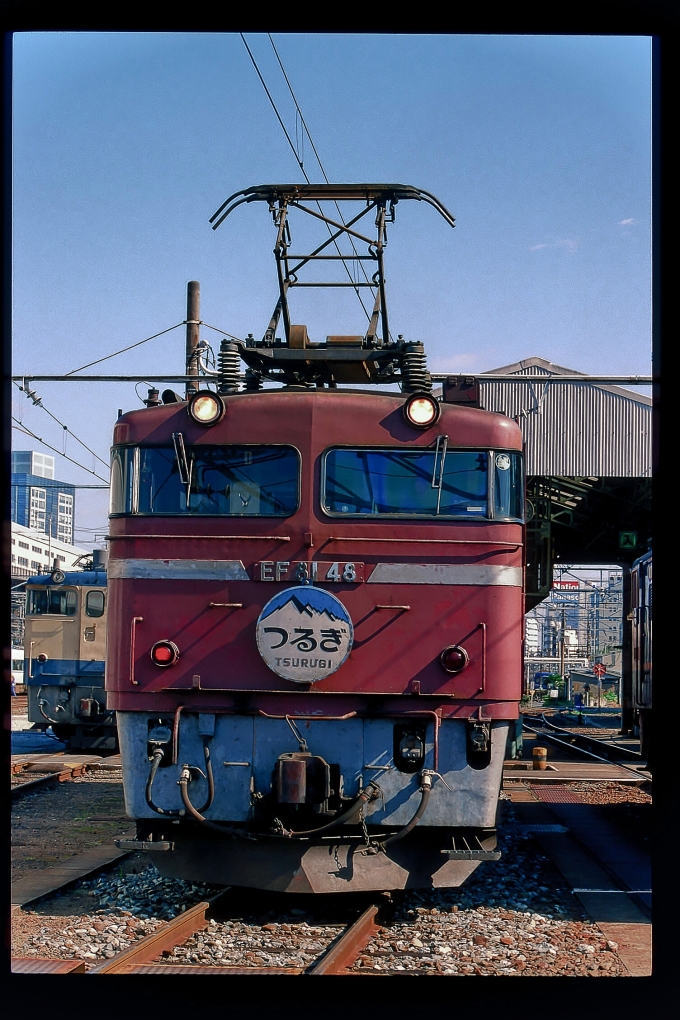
{"points": [[597, 741], [136, 960], [582, 750]]}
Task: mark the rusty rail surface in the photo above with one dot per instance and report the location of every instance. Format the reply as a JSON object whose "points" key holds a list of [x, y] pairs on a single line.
{"points": [[345, 951], [48, 779], [172, 934], [142, 958]]}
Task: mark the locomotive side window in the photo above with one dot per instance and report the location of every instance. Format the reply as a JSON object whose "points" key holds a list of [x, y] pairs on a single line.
{"points": [[122, 474], [51, 602], [433, 482], [224, 481], [94, 603], [508, 486]]}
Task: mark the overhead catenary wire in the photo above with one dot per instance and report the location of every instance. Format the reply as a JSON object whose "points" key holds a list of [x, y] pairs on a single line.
{"points": [[38, 403], [146, 340], [124, 349], [321, 166], [20, 427], [297, 157]]}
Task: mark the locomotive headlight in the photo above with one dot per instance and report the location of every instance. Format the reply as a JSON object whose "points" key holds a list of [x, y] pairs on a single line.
{"points": [[206, 408], [454, 659], [164, 653], [422, 410]]}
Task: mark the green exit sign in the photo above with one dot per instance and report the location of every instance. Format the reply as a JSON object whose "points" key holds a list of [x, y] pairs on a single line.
{"points": [[627, 539]]}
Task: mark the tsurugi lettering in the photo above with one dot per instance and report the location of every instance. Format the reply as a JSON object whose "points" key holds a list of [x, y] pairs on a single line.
{"points": [[330, 639], [304, 663]]}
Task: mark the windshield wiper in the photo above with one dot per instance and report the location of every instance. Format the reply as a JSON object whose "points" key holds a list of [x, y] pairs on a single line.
{"points": [[184, 465], [437, 481]]}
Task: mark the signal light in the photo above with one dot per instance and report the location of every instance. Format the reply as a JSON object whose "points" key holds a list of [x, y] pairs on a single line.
{"points": [[422, 410], [206, 408], [454, 659], [164, 653]]}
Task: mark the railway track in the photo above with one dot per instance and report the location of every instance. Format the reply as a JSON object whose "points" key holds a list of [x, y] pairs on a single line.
{"points": [[500, 922], [147, 955], [43, 771], [229, 929], [592, 747], [335, 959]]}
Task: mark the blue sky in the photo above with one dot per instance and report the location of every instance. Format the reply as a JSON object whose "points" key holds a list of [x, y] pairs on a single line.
{"points": [[125, 144]]}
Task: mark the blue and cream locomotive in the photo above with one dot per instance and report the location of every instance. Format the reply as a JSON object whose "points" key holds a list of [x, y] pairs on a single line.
{"points": [[65, 655]]}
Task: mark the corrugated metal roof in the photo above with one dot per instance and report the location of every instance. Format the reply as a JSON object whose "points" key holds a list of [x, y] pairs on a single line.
{"points": [[588, 430]]}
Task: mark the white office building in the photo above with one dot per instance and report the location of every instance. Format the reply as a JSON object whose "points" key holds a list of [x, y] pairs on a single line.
{"points": [[34, 552]]}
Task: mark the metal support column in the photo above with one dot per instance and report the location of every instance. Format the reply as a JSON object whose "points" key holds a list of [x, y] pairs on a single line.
{"points": [[193, 317], [627, 712]]}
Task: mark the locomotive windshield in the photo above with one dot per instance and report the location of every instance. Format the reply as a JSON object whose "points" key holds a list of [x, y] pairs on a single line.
{"points": [[224, 481], [51, 602], [423, 483]]}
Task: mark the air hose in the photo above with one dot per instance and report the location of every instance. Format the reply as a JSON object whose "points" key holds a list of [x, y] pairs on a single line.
{"points": [[425, 788], [155, 762], [370, 793], [42, 701], [185, 779]]}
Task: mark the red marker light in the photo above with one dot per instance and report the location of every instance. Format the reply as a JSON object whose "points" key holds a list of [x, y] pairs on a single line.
{"points": [[454, 659], [164, 653]]}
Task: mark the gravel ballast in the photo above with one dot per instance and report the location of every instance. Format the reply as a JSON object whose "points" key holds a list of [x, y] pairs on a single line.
{"points": [[521, 921]]}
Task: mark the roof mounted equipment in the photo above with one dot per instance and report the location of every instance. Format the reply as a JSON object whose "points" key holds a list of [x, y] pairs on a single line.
{"points": [[371, 358]]}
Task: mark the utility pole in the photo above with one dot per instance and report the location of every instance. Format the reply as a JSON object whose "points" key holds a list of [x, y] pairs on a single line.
{"points": [[193, 317], [562, 646]]}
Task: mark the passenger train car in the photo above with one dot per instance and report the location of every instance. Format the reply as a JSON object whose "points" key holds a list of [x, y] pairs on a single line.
{"points": [[65, 655], [315, 618], [641, 648]]}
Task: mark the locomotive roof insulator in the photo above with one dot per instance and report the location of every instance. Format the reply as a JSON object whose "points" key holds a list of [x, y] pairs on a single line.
{"points": [[206, 408], [422, 410]]}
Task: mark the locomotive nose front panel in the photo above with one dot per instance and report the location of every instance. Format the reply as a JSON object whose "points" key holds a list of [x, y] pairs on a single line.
{"points": [[362, 638], [245, 753]]}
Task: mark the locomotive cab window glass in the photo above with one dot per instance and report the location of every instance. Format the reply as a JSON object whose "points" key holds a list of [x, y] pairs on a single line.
{"points": [[426, 482], [508, 485], [122, 461], [94, 603], [51, 602], [225, 481]]}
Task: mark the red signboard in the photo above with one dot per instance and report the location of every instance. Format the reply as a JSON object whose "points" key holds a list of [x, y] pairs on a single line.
{"points": [[599, 669]]}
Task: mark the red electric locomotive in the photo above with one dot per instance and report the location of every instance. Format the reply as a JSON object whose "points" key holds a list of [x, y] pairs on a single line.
{"points": [[316, 606]]}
